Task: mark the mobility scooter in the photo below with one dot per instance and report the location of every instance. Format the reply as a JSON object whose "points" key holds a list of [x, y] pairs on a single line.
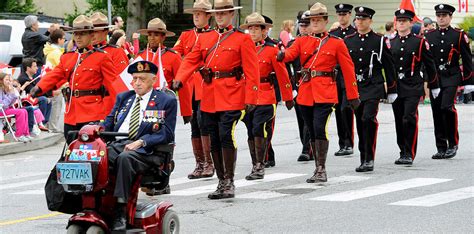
{"points": [[85, 172]]}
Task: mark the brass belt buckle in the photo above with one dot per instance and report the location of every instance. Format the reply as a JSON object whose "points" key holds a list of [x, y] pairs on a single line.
{"points": [[217, 75], [76, 93], [313, 73]]}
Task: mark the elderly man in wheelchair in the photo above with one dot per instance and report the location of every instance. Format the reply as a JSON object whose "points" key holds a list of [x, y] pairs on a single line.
{"points": [[149, 117]]}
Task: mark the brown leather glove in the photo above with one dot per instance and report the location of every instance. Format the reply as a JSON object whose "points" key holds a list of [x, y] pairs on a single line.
{"points": [[354, 103], [177, 84], [187, 119], [249, 108], [290, 104], [35, 91]]}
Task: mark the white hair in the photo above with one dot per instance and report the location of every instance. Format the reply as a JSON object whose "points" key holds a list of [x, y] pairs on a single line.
{"points": [[30, 20]]}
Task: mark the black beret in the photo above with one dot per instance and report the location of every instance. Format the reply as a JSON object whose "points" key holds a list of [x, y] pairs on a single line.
{"points": [[143, 67]]}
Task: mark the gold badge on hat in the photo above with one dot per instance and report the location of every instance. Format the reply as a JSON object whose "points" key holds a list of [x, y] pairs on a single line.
{"points": [[139, 67], [147, 67]]}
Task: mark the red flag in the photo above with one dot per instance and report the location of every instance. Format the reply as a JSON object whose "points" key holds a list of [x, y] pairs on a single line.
{"points": [[463, 6], [408, 5]]}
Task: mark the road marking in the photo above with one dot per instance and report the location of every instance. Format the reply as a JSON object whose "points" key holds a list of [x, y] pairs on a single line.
{"points": [[438, 198], [21, 184], [380, 189], [10, 222], [31, 192], [238, 184], [331, 181], [26, 175], [262, 195]]}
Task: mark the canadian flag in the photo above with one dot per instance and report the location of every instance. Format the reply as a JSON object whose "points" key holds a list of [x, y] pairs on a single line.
{"points": [[463, 6]]}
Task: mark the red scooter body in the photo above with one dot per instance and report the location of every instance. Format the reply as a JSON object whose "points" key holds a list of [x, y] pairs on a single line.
{"points": [[98, 201]]}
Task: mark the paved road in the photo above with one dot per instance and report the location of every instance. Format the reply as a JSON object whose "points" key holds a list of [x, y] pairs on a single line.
{"points": [[430, 196]]}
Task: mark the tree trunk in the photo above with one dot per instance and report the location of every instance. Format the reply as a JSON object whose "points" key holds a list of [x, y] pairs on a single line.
{"points": [[135, 17]]}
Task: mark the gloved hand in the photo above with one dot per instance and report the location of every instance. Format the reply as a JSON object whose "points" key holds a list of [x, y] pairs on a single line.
{"points": [[249, 108], [391, 97], [290, 104], [468, 89], [435, 92], [177, 84], [187, 119], [35, 91], [354, 103]]}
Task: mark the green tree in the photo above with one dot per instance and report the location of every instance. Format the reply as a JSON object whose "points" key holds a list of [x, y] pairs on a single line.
{"points": [[15, 6], [468, 25]]}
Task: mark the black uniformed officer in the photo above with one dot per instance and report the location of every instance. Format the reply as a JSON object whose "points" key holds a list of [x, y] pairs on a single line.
{"points": [[370, 54], [409, 52], [448, 44], [343, 111]]}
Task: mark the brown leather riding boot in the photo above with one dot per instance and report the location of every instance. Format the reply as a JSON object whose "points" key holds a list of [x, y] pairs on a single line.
{"points": [[313, 179], [322, 147], [219, 166], [208, 166], [229, 156], [259, 172], [199, 155], [254, 158]]}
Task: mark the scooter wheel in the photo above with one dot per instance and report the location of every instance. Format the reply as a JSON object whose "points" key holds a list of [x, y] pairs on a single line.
{"points": [[75, 229], [95, 230], [170, 222]]}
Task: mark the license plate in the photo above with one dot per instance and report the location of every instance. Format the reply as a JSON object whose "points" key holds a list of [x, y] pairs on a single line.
{"points": [[74, 173]]}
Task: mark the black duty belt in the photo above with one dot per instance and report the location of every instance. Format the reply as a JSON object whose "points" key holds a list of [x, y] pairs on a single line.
{"points": [[91, 92], [223, 74], [315, 73]]}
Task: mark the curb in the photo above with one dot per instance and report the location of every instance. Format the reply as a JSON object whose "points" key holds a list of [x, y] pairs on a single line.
{"points": [[45, 140]]}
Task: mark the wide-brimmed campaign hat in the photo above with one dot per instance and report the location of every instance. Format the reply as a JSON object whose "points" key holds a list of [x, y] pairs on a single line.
{"points": [[224, 5], [199, 5], [317, 10], [255, 19], [80, 24], [100, 21], [156, 25]]}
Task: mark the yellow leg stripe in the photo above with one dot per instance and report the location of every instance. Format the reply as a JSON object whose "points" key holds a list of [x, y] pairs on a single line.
{"points": [[265, 133], [327, 123], [233, 128]]}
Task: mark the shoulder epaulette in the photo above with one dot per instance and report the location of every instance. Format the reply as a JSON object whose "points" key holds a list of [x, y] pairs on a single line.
{"points": [[430, 31], [378, 34], [334, 36], [458, 29], [239, 30], [351, 35], [171, 50], [100, 50]]}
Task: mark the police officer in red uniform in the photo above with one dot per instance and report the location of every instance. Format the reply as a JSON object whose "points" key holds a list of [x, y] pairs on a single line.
{"points": [[200, 139], [448, 45], [409, 53], [260, 121], [118, 56], [230, 82], [170, 59], [319, 54], [343, 111], [86, 69]]}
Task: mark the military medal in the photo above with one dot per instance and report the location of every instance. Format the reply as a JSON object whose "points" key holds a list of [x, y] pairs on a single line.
{"points": [[156, 127], [151, 104]]}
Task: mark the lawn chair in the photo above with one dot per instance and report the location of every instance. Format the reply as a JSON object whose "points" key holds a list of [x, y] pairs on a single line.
{"points": [[7, 118]]}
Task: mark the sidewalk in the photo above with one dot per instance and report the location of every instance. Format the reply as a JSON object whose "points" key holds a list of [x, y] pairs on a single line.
{"points": [[44, 140]]}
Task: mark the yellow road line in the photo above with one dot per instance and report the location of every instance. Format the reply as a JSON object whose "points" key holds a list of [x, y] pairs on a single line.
{"points": [[29, 219]]}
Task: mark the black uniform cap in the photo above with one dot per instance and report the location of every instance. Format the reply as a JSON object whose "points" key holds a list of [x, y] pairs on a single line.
{"points": [[364, 12], [444, 8], [343, 7], [143, 67], [404, 14]]}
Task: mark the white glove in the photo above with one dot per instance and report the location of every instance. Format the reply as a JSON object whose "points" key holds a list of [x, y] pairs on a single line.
{"points": [[468, 89], [295, 93], [435, 92], [392, 97]]}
